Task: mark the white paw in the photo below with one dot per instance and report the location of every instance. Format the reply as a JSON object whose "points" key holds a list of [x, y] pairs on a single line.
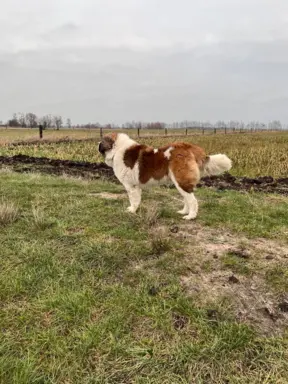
{"points": [[183, 212], [131, 210], [190, 217]]}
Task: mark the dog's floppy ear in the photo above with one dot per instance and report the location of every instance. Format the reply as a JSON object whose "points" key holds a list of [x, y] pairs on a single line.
{"points": [[106, 144]]}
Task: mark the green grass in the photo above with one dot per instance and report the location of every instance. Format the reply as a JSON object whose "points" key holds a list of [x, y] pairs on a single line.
{"points": [[246, 213], [91, 294], [277, 277], [236, 264]]}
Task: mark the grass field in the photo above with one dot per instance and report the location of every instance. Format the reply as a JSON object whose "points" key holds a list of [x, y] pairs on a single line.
{"points": [[91, 294], [19, 134], [252, 154]]}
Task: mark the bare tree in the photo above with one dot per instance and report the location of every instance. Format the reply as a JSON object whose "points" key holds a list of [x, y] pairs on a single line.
{"points": [[251, 125], [206, 124], [68, 123], [220, 124], [156, 125], [57, 121], [31, 120], [14, 121], [22, 119], [46, 121], [275, 125], [138, 125]]}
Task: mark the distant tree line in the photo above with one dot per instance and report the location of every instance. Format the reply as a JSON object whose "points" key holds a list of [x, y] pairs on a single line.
{"points": [[254, 125], [30, 120]]}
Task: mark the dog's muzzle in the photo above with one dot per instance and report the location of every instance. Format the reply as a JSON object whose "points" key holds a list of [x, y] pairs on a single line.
{"points": [[101, 149]]}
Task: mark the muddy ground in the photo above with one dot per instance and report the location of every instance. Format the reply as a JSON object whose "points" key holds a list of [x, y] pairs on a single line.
{"points": [[23, 163]]}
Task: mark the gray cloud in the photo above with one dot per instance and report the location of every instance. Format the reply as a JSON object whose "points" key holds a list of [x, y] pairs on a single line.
{"points": [[145, 60]]}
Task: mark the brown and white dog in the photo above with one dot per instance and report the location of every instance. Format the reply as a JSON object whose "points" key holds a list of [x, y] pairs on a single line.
{"points": [[136, 165]]}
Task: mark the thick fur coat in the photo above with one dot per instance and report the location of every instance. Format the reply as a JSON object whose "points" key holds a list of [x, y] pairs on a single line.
{"points": [[136, 165]]}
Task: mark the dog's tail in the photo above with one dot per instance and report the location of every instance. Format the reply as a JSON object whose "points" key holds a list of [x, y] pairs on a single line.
{"points": [[216, 164]]}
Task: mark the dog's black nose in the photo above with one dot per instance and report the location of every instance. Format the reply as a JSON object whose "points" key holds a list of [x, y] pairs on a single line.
{"points": [[101, 149]]}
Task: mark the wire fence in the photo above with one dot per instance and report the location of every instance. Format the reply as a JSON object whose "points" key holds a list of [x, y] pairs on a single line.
{"points": [[166, 132], [78, 134]]}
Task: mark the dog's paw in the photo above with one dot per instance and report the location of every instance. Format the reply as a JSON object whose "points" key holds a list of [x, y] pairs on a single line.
{"points": [[190, 217], [131, 210], [183, 212]]}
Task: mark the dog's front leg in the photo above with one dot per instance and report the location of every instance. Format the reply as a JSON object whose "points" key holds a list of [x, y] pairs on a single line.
{"points": [[134, 194]]}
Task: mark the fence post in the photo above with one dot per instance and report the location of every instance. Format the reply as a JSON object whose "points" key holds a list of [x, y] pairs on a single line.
{"points": [[215, 131], [202, 131], [101, 132], [138, 132], [41, 131], [186, 131], [225, 130]]}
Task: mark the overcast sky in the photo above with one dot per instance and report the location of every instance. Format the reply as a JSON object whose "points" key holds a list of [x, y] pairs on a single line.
{"points": [[167, 60]]}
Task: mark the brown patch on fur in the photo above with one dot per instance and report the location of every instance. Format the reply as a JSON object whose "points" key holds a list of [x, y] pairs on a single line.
{"points": [[131, 155], [152, 165], [185, 162]]}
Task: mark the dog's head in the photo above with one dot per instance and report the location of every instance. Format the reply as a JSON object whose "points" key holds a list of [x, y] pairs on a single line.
{"points": [[107, 143]]}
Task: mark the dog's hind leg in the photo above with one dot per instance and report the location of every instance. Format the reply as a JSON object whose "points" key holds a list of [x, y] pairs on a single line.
{"points": [[185, 210], [134, 194], [191, 204], [185, 180]]}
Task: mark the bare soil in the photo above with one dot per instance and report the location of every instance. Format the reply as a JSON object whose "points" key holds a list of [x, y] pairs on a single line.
{"points": [[247, 295]]}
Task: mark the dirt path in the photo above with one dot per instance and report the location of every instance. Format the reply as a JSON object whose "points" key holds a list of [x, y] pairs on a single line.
{"points": [[23, 163]]}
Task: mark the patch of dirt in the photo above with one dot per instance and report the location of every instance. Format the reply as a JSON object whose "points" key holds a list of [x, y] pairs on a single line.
{"points": [[215, 242], [75, 230], [258, 184], [23, 163], [208, 281], [248, 298], [179, 321]]}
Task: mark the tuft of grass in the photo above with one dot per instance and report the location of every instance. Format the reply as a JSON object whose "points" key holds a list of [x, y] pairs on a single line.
{"points": [[160, 245], [235, 264], [9, 213], [40, 220], [277, 278], [150, 215]]}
